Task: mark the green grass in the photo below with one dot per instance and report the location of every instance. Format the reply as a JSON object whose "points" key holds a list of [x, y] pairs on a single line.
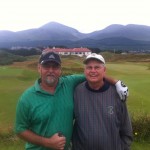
{"points": [[137, 77], [140, 146], [15, 79], [12, 144], [19, 145]]}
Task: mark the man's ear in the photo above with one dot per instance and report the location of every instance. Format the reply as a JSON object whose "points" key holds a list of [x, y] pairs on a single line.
{"points": [[105, 68], [39, 68], [61, 71], [84, 70], [104, 71]]}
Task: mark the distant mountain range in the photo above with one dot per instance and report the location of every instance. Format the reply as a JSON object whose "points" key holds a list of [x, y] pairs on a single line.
{"points": [[129, 37]]}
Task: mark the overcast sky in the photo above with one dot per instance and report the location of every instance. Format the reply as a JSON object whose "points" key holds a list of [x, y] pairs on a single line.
{"points": [[84, 15]]}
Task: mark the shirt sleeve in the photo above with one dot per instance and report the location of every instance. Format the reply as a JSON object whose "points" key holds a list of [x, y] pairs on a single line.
{"points": [[126, 132], [76, 79], [22, 117]]}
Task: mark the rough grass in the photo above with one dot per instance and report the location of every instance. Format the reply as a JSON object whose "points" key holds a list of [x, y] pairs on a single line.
{"points": [[141, 127], [17, 77]]}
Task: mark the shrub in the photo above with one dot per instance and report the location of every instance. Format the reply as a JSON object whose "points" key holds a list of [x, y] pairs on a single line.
{"points": [[7, 58], [7, 134], [141, 127]]}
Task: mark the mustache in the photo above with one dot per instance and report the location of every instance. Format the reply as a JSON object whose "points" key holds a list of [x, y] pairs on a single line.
{"points": [[50, 75]]}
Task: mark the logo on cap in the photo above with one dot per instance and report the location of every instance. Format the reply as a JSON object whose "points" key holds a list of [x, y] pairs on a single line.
{"points": [[51, 57]]}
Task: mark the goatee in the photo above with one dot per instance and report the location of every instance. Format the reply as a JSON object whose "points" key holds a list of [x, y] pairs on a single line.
{"points": [[51, 80]]}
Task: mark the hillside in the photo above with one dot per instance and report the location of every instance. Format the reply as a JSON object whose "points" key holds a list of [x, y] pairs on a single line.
{"points": [[119, 37], [111, 57], [31, 61], [7, 58], [130, 31]]}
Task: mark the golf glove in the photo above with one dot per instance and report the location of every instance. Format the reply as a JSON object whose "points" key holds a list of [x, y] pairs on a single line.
{"points": [[122, 90]]}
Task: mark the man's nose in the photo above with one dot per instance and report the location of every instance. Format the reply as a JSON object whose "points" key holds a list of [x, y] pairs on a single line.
{"points": [[51, 69], [93, 69]]}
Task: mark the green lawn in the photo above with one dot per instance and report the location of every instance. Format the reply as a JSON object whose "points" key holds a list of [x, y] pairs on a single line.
{"points": [[137, 77], [19, 145], [140, 146], [14, 80]]}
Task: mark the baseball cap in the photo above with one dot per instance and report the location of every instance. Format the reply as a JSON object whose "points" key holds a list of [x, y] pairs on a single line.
{"points": [[50, 56], [94, 56]]}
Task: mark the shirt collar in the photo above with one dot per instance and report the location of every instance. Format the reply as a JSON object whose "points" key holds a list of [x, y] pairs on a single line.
{"points": [[102, 89], [39, 89]]}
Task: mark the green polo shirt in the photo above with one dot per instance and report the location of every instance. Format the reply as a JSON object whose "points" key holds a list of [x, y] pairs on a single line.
{"points": [[46, 114]]}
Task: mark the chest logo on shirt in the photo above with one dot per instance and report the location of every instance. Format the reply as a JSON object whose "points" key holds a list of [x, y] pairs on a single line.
{"points": [[110, 110]]}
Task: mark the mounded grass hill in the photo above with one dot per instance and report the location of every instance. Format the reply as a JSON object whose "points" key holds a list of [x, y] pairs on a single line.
{"points": [[7, 58]]}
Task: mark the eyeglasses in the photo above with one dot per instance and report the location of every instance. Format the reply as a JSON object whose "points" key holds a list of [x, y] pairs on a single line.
{"points": [[94, 68], [54, 66]]}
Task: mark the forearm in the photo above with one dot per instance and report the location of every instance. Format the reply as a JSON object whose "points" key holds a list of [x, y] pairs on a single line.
{"points": [[33, 138], [55, 142], [110, 80], [126, 132], [127, 140]]}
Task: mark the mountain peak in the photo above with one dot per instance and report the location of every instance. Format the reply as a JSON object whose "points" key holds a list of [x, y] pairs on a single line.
{"points": [[113, 27], [55, 33], [51, 24], [56, 26]]}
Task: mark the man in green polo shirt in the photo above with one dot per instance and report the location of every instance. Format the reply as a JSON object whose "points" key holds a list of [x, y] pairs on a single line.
{"points": [[44, 114]]}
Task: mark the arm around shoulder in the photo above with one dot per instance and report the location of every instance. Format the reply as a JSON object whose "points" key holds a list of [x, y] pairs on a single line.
{"points": [[121, 88]]}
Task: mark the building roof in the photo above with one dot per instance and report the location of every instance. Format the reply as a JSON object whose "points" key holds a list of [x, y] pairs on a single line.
{"points": [[67, 50]]}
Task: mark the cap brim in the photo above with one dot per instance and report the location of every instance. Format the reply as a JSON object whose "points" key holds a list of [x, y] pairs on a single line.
{"points": [[92, 58], [50, 60]]}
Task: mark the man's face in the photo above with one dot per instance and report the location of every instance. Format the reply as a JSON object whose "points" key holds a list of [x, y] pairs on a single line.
{"points": [[50, 73], [94, 71]]}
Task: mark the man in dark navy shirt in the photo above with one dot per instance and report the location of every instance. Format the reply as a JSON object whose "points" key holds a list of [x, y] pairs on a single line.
{"points": [[101, 118]]}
